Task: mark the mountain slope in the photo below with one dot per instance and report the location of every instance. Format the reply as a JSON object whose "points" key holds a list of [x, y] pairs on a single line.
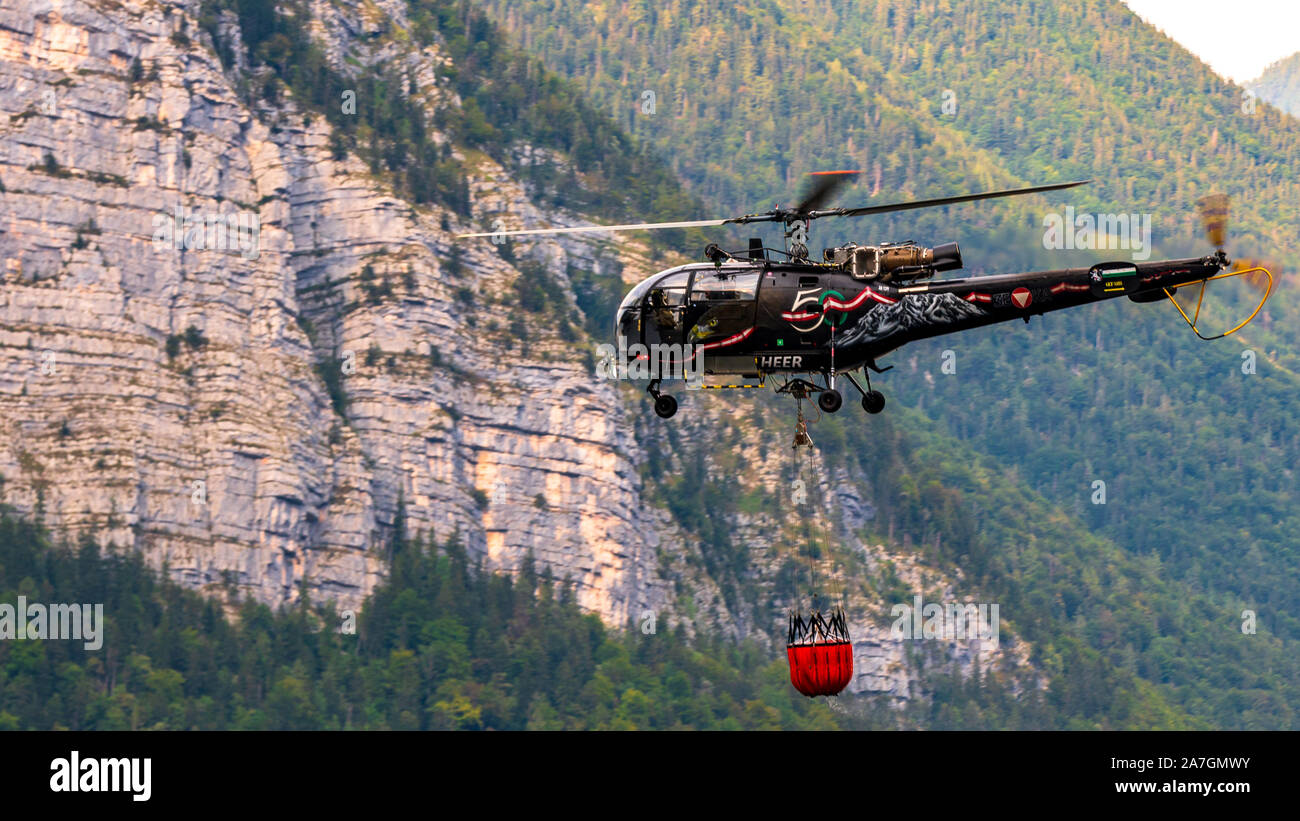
{"points": [[1196, 454], [364, 376], [441, 645], [268, 420], [1280, 84], [259, 416]]}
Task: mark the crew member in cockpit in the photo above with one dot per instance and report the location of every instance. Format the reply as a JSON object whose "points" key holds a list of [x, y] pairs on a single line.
{"points": [[664, 315]]}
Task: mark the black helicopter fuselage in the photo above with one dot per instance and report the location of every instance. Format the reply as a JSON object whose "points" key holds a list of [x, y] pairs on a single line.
{"points": [[751, 318]]}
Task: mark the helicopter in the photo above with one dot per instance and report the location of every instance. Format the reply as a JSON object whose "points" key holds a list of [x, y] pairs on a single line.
{"points": [[743, 316]]}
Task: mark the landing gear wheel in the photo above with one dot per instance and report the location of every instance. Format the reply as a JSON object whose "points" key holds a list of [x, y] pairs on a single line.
{"points": [[873, 401], [829, 400], [665, 406]]}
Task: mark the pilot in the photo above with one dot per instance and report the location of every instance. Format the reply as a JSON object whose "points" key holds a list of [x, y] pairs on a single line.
{"points": [[664, 315]]}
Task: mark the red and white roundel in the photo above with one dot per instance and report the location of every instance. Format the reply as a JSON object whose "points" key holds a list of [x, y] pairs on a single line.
{"points": [[1022, 297]]}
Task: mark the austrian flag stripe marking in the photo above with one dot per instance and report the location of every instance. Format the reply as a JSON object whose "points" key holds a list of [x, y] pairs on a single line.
{"points": [[974, 297], [731, 340], [867, 293], [1065, 286], [833, 304]]}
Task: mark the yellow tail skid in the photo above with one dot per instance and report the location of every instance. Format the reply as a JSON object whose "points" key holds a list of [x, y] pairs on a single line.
{"points": [[1191, 321]]}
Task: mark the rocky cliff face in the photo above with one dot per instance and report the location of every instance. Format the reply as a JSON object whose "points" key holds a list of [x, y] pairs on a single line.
{"points": [[223, 456], [226, 346]]}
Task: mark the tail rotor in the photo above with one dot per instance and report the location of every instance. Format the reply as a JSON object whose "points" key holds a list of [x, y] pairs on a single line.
{"points": [[1258, 274]]}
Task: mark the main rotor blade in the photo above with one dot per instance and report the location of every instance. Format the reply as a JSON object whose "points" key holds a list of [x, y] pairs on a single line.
{"points": [[823, 188], [907, 206], [820, 191], [640, 226]]}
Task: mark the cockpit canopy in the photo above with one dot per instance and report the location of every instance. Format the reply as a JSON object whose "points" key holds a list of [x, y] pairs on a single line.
{"points": [[672, 298]]}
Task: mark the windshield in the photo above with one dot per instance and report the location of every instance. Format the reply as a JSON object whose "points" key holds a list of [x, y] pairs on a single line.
{"points": [[670, 291], [723, 285], [633, 298]]}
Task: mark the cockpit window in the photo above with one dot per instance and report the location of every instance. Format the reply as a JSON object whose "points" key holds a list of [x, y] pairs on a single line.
{"points": [[670, 292], [633, 298], [714, 286]]}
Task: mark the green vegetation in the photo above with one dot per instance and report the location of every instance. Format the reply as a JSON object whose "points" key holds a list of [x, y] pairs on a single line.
{"points": [[330, 371], [1126, 640], [444, 645], [376, 290], [441, 645], [1133, 608], [195, 338], [597, 294], [1138, 601], [379, 113], [50, 165], [1042, 92]]}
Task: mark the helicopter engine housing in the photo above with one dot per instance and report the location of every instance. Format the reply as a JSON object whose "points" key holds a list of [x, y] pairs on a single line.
{"points": [[895, 261]]}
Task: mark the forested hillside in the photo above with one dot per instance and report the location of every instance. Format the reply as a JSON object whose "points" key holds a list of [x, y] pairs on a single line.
{"points": [[444, 645], [1197, 455], [440, 646], [1041, 91], [506, 98]]}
